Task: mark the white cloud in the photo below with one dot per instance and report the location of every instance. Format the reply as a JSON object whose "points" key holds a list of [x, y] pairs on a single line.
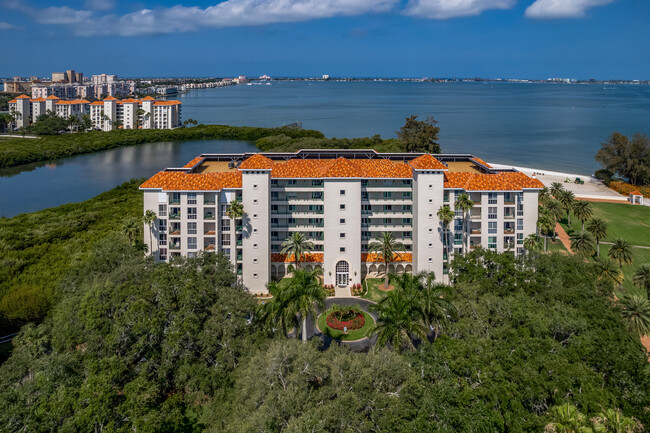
{"points": [[99, 5], [7, 26], [445, 9], [230, 13], [549, 9]]}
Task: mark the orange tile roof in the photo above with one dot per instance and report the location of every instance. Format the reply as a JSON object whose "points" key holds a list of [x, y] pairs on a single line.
{"points": [[193, 162], [505, 181], [52, 97], [306, 258], [13, 101], [257, 162], [167, 103], [38, 100], [97, 103], [427, 162], [182, 181], [341, 167], [635, 192], [22, 97], [374, 257], [148, 98], [129, 101], [110, 98], [480, 161], [72, 102]]}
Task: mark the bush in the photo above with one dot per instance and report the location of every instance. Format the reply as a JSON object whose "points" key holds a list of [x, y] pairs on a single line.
{"points": [[604, 175], [626, 188]]}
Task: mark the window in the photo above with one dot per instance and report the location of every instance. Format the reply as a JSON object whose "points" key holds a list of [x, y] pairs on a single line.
{"points": [[291, 220], [520, 238], [191, 228], [430, 245], [191, 213], [430, 215], [458, 238], [492, 213], [387, 194], [388, 207], [364, 195], [492, 242], [520, 224], [430, 259], [254, 201], [225, 240], [342, 206], [366, 234], [342, 192], [162, 225], [162, 239], [430, 186], [316, 195], [254, 245], [191, 198], [254, 230], [274, 208], [255, 186], [446, 197], [406, 221], [342, 235], [342, 221], [254, 274], [387, 220], [406, 194], [291, 207], [254, 259], [274, 195], [430, 200], [342, 249], [365, 221], [458, 225], [162, 254], [407, 208], [225, 225], [520, 209], [191, 254], [191, 243], [492, 227], [430, 230], [406, 235], [492, 198], [292, 182], [316, 182], [162, 210]]}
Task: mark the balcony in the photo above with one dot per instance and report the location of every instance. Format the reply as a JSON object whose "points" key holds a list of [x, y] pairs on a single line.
{"points": [[208, 216], [509, 202], [239, 242], [175, 201], [509, 231], [209, 233], [209, 201], [175, 246], [174, 216], [475, 231], [509, 216], [474, 246]]}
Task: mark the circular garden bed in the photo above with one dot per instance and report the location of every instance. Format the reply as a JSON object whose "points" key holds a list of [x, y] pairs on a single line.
{"points": [[336, 319]]}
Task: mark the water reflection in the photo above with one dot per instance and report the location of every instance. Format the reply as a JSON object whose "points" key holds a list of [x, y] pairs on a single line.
{"points": [[40, 185]]}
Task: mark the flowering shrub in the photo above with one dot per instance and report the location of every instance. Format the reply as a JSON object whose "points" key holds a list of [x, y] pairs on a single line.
{"points": [[349, 317], [329, 289], [627, 188], [357, 289]]}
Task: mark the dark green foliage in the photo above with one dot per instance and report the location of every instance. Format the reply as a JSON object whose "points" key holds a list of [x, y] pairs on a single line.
{"points": [[131, 346], [420, 136], [37, 249], [48, 124], [284, 143], [21, 151], [627, 158]]}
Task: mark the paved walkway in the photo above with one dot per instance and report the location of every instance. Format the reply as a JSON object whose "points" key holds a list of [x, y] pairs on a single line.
{"points": [[342, 292], [564, 238]]}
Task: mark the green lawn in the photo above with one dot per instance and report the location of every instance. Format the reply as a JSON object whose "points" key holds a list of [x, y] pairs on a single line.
{"points": [[623, 221], [357, 334], [556, 246], [373, 293]]}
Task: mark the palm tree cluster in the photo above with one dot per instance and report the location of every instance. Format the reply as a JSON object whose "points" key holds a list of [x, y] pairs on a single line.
{"points": [[387, 247], [297, 245], [292, 304], [418, 308], [568, 419]]}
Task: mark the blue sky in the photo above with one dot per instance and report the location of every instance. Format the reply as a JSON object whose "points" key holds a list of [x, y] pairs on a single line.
{"points": [[406, 38]]}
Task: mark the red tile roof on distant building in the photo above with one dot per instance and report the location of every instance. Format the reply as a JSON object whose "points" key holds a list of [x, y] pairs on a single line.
{"points": [[148, 98], [502, 181], [52, 97], [110, 98], [167, 103], [257, 162], [37, 100], [341, 168], [427, 162], [22, 97]]}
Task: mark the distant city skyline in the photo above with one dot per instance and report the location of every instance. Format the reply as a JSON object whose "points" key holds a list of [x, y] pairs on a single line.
{"points": [[527, 39]]}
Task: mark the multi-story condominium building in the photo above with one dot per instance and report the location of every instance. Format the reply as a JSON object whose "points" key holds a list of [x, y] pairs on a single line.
{"points": [[341, 200], [105, 115]]}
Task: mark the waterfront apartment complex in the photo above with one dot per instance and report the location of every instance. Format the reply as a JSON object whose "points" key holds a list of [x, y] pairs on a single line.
{"points": [[341, 200], [106, 115]]}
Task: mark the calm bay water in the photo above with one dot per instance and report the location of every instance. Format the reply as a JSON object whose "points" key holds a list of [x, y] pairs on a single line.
{"points": [[546, 126]]}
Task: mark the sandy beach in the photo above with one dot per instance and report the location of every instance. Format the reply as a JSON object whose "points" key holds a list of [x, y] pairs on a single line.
{"points": [[592, 189]]}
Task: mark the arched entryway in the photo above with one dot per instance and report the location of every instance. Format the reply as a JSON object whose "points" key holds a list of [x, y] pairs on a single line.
{"points": [[342, 273]]}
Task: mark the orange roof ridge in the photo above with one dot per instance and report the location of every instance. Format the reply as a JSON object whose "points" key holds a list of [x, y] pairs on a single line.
{"points": [[167, 103], [636, 192], [257, 162], [148, 98], [427, 162], [13, 101], [110, 98], [183, 181], [38, 100], [52, 97], [342, 167], [22, 97]]}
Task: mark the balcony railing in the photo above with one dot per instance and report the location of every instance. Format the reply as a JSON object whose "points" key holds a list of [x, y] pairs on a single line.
{"points": [[174, 216], [208, 201], [208, 216], [475, 231], [509, 216], [174, 201], [174, 246], [509, 231]]}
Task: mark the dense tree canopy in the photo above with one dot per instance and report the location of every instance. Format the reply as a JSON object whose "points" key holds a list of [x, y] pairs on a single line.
{"points": [[627, 158], [420, 136]]}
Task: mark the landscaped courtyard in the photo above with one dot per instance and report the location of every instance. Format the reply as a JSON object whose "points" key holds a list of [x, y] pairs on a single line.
{"points": [[353, 324]]}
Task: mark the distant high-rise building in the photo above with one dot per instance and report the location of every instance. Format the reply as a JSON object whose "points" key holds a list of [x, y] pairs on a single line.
{"points": [[58, 77], [326, 77]]}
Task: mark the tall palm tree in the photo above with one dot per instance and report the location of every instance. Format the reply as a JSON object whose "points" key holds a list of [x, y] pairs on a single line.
{"points": [[131, 229], [567, 200], [388, 248], [297, 245], [235, 211], [641, 278], [598, 228], [446, 216], [274, 314], [608, 271], [583, 244], [582, 210], [636, 314], [612, 420], [544, 195], [305, 295], [568, 419], [465, 204], [545, 223], [398, 319], [556, 189], [555, 211], [621, 251], [149, 218], [533, 243], [433, 301]]}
